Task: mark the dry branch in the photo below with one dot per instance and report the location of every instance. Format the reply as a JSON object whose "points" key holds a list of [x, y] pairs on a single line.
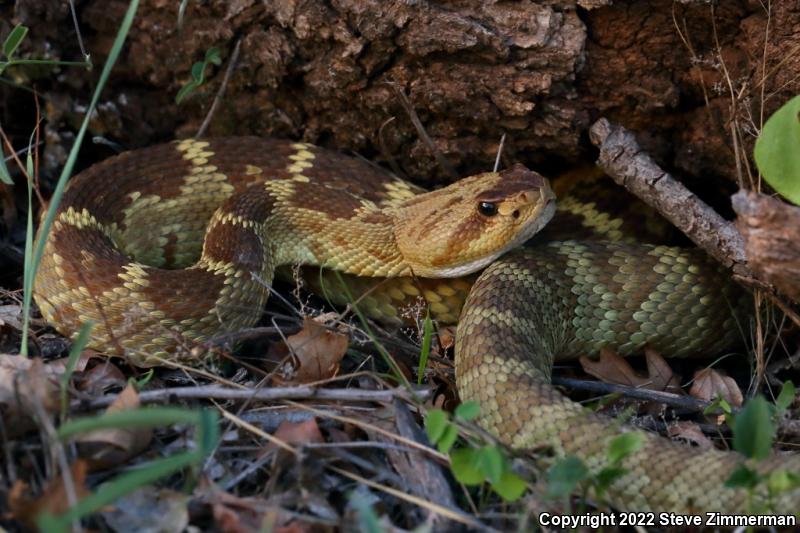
{"points": [[771, 231], [623, 160], [216, 392]]}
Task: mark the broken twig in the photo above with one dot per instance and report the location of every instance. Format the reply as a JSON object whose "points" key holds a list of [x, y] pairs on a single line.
{"points": [[623, 159]]}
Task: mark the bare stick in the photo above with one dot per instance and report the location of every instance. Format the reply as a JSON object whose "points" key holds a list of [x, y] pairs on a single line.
{"points": [[215, 392], [623, 160], [668, 398], [423, 134], [218, 97]]}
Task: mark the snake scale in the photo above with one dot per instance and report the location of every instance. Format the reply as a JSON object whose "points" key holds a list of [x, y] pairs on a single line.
{"points": [[166, 247]]}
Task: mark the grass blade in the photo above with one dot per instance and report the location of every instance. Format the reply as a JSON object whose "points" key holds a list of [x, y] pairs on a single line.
{"points": [[47, 222], [427, 335]]}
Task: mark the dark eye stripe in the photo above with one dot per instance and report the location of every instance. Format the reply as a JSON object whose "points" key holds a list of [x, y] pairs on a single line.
{"points": [[487, 209]]}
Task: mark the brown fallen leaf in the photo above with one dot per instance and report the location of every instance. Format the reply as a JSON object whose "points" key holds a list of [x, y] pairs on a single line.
{"points": [[101, 378], [447, 337], [26, 386], [316, 352], [710, 383], [86, 356], [105, 448], [612, 368], [304, 432], [53, 499], [691, 432], [245, 515]]}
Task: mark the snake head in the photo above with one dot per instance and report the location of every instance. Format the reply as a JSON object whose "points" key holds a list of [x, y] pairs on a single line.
{"points": [[462, 228]]}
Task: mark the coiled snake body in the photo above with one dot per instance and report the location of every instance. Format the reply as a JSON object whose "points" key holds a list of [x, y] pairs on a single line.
{"points": [[132, 250]]}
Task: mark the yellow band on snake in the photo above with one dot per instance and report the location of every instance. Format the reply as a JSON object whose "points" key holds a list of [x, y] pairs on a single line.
{"points": [[167, 247]]}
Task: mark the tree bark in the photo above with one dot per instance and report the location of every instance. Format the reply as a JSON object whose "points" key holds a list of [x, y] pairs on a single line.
{"points": [[325, 71]]}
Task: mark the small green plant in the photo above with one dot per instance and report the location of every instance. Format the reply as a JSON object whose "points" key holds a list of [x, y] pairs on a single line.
{"points": [[5, 176], [12, 42], [425, 350], [10, 45], [33, 254], [75, 350], [568, 473], [754, 430], [206, 425], [198, 74], [777, 151], [473, 464]]}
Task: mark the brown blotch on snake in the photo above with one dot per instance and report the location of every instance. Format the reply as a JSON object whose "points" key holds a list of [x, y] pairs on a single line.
{"points": [[561, 299]]}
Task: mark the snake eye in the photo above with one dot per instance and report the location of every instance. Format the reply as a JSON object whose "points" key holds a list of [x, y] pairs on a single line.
{"points": [[487, 209]]}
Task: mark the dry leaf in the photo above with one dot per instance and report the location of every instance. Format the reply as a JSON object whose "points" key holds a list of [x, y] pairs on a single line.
{"points": [[54, 498], [101, 378], [248, 515], [105, 448], [149, 509], [316, 353], [11, 315], [690, 432], [304, 432], [660, 373], [710, 383], [86, 357], [612, 368], [447, 337], [26, 385]]}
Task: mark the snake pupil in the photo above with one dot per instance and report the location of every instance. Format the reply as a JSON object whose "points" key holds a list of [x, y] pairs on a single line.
{"points": [[487, 209]]}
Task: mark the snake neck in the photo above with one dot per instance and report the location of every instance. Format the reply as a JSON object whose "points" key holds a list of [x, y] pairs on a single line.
{"points": [[257, 232]]}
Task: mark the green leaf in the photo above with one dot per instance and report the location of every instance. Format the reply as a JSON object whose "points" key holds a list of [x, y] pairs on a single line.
{"points": [[623, 446], [743, 477], [74, 354], [5, 177], [786, 397], [492, 463], [425, 350], [185, 92], [143, 380], [468, 410], [436, 423], [607, 476], [14, 39], [464, 463], [448, 438], [754, 430], [368, 520], [212, 56], [777, 151], [719, 402], [510, 487], [781, 481], [198, 71], [564, 476]]}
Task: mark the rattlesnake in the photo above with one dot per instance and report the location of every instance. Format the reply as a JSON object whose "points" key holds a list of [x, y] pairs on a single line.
{"points": [[127, 252]]}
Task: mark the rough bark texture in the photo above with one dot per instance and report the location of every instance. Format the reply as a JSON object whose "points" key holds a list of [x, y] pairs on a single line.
{"points": [[323, 71], [771, 229]]}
